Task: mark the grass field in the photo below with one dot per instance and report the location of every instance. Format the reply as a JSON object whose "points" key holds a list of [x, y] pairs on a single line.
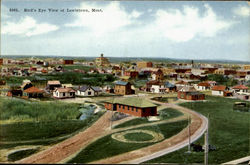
{"points": [[20, 110], [228, 132], [107, 146], [164, 114], [21, 154], [138, 136]]}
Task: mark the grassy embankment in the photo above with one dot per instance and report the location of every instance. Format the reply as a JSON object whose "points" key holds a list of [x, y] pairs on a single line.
{"points": [[228, 132], [38, 123]]}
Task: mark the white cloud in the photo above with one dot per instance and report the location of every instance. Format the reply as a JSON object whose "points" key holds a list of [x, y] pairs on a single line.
{"points": [[27, 26], [183, 25], [241, 10], [112, 18]]}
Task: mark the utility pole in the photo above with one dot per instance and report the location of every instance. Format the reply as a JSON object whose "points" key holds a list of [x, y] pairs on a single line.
{"points": [[189, 138], [206, 145]]}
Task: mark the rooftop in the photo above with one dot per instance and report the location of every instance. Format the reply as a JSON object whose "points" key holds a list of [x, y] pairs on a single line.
{"points": [[219, 88], [132, 101], [54, 82], [33, 90], [240, 87]]}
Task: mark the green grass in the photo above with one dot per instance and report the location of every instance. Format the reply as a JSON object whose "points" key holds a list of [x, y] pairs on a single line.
{"points": [[138, 136], [75, 78], [164, 114], [18, 110], [21, 154], [43, 130], [40, 130], [107, 146], [228, 132]]}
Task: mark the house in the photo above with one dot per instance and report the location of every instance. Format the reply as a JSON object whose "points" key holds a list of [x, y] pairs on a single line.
{"points": [[68, 62], [203, 86], [51, 85], [158, 75], [131, 73], [62, 93], [88, 91], [123, 88], [26, 84], [144, 64], [158, 88], [221, 90], [150, 83], [33, 92], [170, 87], [133, 106], [15, 92], [189, 93], [240, 89]]}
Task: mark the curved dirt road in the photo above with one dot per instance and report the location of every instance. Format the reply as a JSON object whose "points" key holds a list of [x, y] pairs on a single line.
{"points": [[198, 126], [67, 149]]}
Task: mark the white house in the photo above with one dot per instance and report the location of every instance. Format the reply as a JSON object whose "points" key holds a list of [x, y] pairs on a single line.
{"points": [[221, 90], [239, 89], [61, 93], [202, 86], [158, 88], [88, 91]]}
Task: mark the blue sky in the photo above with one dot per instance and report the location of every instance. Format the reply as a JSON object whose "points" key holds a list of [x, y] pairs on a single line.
{"points": [[190, 30]]}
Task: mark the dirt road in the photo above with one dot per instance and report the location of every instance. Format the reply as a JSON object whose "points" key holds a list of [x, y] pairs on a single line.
{"points": [[198, 126]]}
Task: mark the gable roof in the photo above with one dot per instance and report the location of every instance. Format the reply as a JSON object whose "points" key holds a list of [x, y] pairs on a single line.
{"points": [[64, 90], [240, 87], [85, 87], [33, 90], [187, 89], [132, 101], [205, 84], [219, 88]]}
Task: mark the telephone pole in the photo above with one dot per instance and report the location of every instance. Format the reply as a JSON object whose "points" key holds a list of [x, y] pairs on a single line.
{"points": [[189, 138], [206, 144]]}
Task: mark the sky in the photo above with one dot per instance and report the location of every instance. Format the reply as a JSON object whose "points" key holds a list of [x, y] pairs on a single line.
{"points": [[167, 29]]}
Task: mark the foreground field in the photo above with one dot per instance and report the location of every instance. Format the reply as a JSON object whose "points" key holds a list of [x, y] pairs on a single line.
{"points": [[26, 124], [228, 132]]}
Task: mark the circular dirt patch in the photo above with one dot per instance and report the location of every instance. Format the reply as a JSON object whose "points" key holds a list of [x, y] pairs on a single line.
{"points": [[138, 136]]}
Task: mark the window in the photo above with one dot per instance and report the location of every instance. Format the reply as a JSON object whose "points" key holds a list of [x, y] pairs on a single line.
{"points": [[63, 93], [89, 93]]}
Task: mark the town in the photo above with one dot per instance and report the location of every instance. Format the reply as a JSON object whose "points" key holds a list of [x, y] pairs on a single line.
{"points": [[102, 110]]}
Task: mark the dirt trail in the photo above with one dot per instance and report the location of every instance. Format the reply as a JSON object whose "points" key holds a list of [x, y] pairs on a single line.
{"points": [[66, 148], [198, 126]]}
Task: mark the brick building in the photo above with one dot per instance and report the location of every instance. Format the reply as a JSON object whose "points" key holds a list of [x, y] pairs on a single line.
{"points": [[68, 62], [144, 64], [133, 106], [123, 88]]}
